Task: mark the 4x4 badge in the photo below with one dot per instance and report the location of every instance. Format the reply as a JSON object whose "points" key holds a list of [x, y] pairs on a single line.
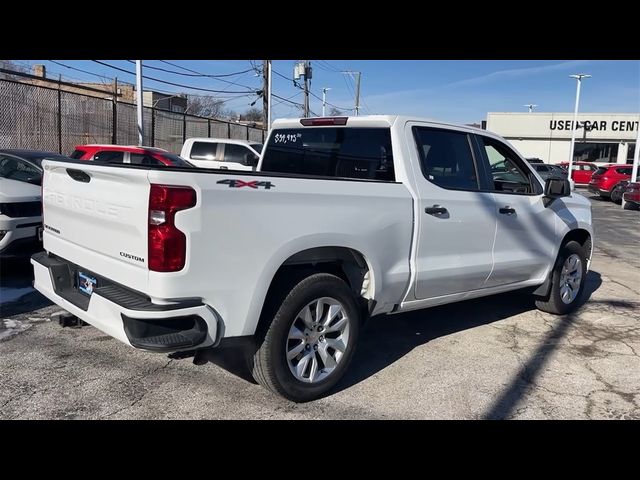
{"points": [[234, 183]]}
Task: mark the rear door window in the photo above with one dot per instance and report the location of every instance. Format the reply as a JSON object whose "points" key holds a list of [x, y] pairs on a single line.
{"points": [[446, 158], [204, 151], [106, 156], [143, 159], [361, 153], [78, 154]]}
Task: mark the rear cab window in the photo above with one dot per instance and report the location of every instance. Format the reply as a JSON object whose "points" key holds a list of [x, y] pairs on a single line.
{"points": [[340, 152]]}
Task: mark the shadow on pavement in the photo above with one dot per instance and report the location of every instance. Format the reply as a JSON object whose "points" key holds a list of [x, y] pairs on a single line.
{"points": [[504, 406], [18, 274], [387, 339]]}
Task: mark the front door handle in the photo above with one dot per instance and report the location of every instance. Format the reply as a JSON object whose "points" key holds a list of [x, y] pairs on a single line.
{"points": [[507, 210], [436, 210], [223, 167]]}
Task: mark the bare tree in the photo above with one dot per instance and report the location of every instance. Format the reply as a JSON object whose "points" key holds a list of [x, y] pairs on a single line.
{"points": [[11, 65], [335, 112], [206, 106], [252, 115]]}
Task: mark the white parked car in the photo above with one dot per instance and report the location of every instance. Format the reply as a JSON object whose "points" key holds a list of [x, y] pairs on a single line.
{"points": [[222, 153], [346, 218], [20, 201]]}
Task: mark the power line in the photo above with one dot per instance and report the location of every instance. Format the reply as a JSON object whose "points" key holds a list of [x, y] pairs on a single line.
{"points": [[213, 77], [310, 92], [286, 99], [80, 70], [196, 73], [171, 83], [326, 66]]}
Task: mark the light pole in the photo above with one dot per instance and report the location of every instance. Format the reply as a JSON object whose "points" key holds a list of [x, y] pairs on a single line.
{"points": [[531, 106], [324, 99], [578, 77], [139, 100]]}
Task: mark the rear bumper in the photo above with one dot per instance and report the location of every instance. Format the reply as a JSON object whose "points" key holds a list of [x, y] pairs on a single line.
{"points": [[599, 191], [127, 315], [631, 197]]}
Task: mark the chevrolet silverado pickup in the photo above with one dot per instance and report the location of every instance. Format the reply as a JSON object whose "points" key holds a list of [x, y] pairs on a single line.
{"points": [[345, 218]]}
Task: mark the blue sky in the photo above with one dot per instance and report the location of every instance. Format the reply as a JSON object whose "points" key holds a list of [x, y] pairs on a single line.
{"points": [[461, 91]]}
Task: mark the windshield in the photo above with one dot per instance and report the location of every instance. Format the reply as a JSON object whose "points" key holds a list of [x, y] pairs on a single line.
{"points": [[257, 147], [15, 168]]}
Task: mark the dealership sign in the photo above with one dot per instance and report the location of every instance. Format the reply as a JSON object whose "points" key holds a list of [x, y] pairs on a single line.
{"points": [[608, 127], [601, 125]]}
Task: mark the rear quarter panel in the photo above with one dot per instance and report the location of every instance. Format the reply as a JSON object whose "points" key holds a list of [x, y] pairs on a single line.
{"points": [[237, 238]]}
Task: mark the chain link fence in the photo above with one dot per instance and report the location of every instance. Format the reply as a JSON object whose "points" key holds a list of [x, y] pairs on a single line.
{"points": [[44, 118]]}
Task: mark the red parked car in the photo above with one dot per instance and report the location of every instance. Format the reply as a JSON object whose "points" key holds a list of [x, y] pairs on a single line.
{"points": [[129, 154], [607, 181], [582, 171], [631, 195]]}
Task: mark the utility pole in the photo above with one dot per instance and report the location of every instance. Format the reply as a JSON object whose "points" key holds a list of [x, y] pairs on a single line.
{"points": [[578, 77], [266, 92], [324, 100], [303, 68], [357, 74], [307, 71], [139, 100]]}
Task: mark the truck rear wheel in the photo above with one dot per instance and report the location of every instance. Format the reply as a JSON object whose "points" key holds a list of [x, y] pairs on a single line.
{"points": [[567, 281], [310, 340]]}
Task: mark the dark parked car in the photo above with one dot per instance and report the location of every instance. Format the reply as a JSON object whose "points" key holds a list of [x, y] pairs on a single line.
{"points": [[25, 165], [20, 201], [546, 171]]}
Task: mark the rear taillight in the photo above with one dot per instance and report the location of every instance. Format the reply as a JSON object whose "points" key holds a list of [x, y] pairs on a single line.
{"points": [[167, 244]]}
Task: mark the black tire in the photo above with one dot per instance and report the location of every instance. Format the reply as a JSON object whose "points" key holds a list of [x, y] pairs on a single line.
{"points": [[616, 194], [270, 368], [553, 302]]}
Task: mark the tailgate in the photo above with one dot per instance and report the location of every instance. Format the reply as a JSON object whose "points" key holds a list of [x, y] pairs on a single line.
{"points": [[96, 216]]}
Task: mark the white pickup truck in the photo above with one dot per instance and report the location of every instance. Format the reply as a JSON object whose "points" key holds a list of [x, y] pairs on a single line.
{"points": [[345, 218]]}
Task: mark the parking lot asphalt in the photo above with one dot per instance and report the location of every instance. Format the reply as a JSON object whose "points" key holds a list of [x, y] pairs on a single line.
{"points": [[496, 357]]}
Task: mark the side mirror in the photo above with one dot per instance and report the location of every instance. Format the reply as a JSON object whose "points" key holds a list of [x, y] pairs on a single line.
{"points": [[556, 187]]}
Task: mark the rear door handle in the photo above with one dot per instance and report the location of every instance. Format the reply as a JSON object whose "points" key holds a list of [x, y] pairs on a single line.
{"points": [[507, 210], [436, 210], [224, 168]]}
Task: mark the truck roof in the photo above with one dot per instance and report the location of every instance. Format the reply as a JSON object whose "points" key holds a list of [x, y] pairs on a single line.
{"points": [[377, 121]]}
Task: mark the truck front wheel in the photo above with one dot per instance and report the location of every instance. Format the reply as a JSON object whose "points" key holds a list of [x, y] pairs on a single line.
{"points": [[567, 281], [310, 340]]}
